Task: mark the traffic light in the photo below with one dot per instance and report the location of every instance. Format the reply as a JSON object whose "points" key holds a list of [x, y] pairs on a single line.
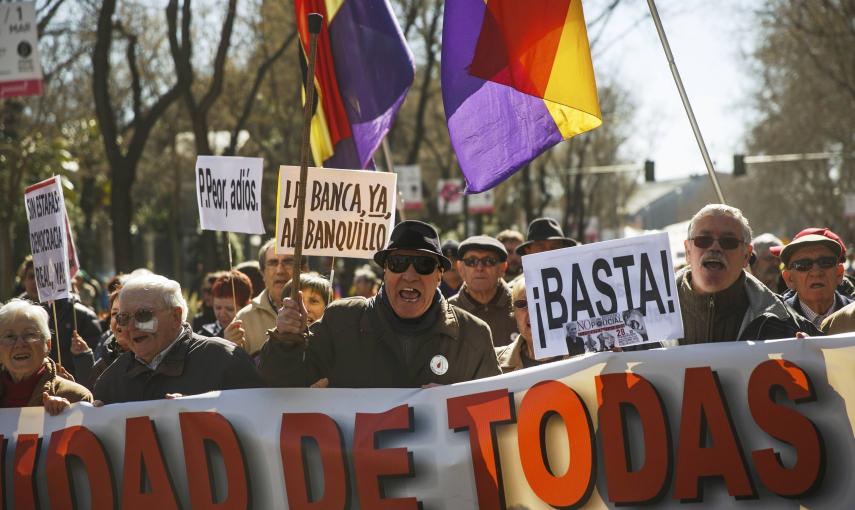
{"points": [[738, 165], [649, 172]]}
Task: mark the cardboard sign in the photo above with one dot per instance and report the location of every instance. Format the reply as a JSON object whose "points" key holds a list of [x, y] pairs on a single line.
{"points": [[49, 239], [20, 69], [349, 213], [602, 295], [450, 198], [228, 191]]}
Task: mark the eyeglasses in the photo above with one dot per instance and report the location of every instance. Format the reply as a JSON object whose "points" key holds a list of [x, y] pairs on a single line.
{"points": [[424, 265], [520, 303], [141, 315], [726, 243], [805, 265], [10, 339], [486, 261]]}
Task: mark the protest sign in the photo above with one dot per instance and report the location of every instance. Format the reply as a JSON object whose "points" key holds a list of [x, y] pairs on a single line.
{"points": [[410, 186], [20, 69], [50, 239], [228, 191], [602, 295], [727, 425], [349, 213]]}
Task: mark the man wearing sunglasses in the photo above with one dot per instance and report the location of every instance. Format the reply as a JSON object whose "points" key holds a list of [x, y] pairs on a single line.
{"points": [[165, 357], [814, 269], [484, 294], [407, 336], [719, 300]]}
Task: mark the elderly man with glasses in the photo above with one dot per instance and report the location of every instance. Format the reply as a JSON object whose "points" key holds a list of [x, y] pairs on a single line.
{"points": [[407, 336], [165, 358], [482, 263], [813, 264], [719, 300]]}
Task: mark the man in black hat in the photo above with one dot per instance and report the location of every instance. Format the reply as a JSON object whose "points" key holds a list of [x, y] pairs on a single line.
{"points": [[407, 336], [451, 279], [484, 294], [544, 234]]}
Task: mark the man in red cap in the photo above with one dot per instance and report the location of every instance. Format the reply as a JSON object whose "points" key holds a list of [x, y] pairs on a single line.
{"points": [[813, 270]]}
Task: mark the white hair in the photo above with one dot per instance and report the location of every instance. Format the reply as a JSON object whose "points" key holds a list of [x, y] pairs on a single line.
{"points": [[21, 307], [519, 287], [169, 290], [722, 210]]}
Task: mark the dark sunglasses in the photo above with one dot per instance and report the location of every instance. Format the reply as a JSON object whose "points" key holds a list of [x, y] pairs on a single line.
{"points": [[424, 265], [486, 261], [520, 303], [726, 243], [805, 265], [141, 315]]}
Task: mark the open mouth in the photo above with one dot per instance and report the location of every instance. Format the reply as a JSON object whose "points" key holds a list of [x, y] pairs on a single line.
{"points": [[817, 285], [409, 295], [713, 265], [23, 356], [139, 339]]}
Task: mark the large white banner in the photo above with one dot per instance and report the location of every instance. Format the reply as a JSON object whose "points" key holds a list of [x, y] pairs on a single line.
{"points": [[50, 239], [349, 213], [729, 425], [228, 191], [602, 295], [20, 69]]}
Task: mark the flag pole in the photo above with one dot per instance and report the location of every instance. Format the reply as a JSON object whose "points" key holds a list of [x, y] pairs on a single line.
{"points": [[315, 21], [688, 107], [56, 328], [232, 272], [390, 167]]}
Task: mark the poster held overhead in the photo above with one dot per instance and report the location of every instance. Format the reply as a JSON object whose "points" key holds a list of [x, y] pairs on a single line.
{"points": [[49, 239], [228, 191], [602, 295], [349, 213], [20, 68]]}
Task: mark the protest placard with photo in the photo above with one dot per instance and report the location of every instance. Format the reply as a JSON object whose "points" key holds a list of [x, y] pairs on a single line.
{"points": [[349, 213], [49, 239], [602, 295], [228, 191]]}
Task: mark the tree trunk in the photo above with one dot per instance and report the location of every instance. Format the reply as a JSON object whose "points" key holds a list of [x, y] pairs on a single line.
{"points": [[121, 210]]}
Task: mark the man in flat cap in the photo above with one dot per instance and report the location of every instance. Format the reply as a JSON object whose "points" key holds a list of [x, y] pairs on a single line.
{"points": [[814, 269], [484, 294], [407, 336]]}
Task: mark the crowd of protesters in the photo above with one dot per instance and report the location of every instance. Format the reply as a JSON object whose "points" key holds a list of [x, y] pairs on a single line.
{"points": [[440, 313]]}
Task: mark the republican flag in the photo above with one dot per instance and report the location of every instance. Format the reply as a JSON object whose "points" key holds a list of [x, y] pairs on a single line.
{"points": [[516, 87], [363, 72]]}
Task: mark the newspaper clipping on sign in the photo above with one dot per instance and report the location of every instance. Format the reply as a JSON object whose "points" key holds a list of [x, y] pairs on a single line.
{"points": [[349, 213], [595, 297]]}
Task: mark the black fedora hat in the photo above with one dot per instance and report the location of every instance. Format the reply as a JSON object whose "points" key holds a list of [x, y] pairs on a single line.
{"points": [[544, 229], [413, 235]]}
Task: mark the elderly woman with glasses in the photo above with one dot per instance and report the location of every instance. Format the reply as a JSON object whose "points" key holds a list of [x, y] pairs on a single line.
{"points": [[29, 377], [519, 353], [407, 336]]}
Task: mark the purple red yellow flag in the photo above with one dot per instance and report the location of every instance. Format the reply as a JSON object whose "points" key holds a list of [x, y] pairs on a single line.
{"points": [[516, 87], [363, 72]]}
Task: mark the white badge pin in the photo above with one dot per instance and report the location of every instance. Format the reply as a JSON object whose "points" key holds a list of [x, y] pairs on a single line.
{"points": [[439, 364]]}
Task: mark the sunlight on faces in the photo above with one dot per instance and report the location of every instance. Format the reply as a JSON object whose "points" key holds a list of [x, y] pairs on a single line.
{"points": [[119, 332], [278, 270], [314, 303], [146, 344], [224, 310], [22, 359], [521, 314], [410, 294], [715, 269], [480, 278], [818, 284]]}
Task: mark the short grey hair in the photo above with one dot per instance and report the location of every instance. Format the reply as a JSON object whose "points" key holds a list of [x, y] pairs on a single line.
{"points": [[763, 242], [18, 307], [722, 210], [518, 287], [169, 290], [262, 252]]}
